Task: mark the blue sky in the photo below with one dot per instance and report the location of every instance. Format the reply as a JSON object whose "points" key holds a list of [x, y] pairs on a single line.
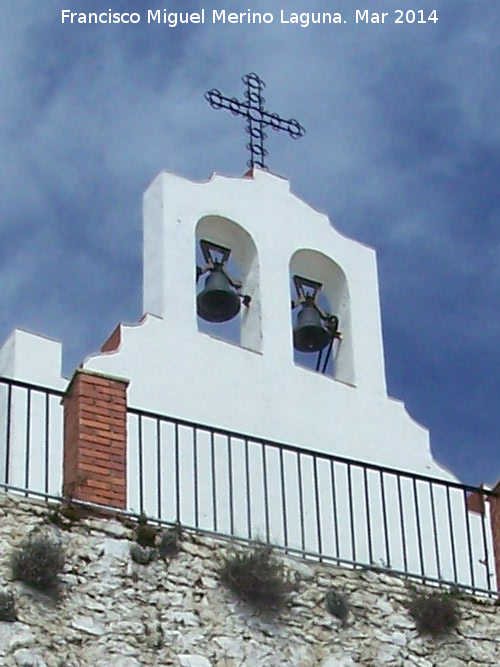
{"points": [[402, 152]]}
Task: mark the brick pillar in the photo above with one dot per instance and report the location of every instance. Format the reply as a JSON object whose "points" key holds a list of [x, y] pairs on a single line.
{"points": [[476, 503], [495, 528], [95, 439]]}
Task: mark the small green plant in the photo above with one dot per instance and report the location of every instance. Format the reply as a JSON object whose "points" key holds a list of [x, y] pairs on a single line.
{"points": [[7, 607], [38, 562], [145, 533], [169, 541], [337, 605], [142, 555], [258, 578], [435, 613], [151, 543], [66, 514]]}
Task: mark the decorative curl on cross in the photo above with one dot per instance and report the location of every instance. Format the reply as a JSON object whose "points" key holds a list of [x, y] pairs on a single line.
{"points": [[252, 108]]}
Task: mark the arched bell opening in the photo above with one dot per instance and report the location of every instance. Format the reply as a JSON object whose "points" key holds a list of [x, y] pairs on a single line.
{"points": [[227, 282], [320, 315]]}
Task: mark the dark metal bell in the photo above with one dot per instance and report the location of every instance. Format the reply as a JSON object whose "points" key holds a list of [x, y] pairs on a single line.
{"points": [[310, 335], [217, 302]]}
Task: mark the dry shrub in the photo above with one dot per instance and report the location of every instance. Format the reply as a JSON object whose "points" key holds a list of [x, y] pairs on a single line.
{"points": [[434, 613], [38, 562], [258, 578], [336, 604]]}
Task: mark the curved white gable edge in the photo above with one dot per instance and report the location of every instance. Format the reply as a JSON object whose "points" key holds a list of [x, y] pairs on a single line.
{"points": [[175, 370]]}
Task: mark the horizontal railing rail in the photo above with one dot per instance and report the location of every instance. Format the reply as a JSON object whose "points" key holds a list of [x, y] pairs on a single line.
{"points": [[31, 438], [308, 502], [238, 485], [300, 450]]}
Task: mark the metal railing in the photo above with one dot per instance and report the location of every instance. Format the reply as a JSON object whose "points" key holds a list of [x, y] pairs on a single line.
{"points": [[235, 485], [31, 438], [308, 503]]}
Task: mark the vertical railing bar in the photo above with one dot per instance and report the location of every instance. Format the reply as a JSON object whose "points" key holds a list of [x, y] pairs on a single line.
{"points": [[469, 543], [28, 442], [384, 519], [316, 502], [214, 480], [283, 498], [248, 493], [266, 491], [8, 428], [452, 536], [177, 475], [351, 512], [402, 523], [140, 465], [158, 470], [46, 442], [230, 481], [419, 528], [334, 508], [195, 478], [485, 542], [435, 530], [368, 516], [301, 502]]}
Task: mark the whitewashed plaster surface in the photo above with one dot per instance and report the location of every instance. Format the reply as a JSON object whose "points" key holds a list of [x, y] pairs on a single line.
{"points": [[174, 369], [31, 421], [32, 358]]}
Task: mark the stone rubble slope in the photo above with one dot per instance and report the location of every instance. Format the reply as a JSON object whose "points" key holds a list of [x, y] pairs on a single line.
{"points": [[116, 613]]}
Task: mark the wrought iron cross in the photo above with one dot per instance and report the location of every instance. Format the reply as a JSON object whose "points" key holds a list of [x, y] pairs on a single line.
{"points": [[257, 117]]}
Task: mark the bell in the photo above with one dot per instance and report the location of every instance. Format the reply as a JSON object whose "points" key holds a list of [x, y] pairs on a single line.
{"points": [[310, 335], [217, 302]]}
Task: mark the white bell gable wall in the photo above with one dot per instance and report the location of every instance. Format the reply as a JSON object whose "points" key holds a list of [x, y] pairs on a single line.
{"points": [[256, 387]]}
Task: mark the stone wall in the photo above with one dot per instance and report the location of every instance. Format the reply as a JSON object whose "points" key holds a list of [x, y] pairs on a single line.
{"points": [[113, 612]]}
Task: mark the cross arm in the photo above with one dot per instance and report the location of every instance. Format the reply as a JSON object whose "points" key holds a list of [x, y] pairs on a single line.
{"points": [[218, 101], [275, 122]]}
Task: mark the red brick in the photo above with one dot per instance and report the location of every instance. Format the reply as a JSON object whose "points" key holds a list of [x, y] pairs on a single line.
{"points": [[118, 481], [95, 410], [95, 439], [103, 472], [495, 528], [98, 483], [93, 423], [85, 455], [115, 405], [117, 437], [96, 452], [95, 380], [107, 391], [91, 393], [115, 500], [475, 502], [113, 341]]}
